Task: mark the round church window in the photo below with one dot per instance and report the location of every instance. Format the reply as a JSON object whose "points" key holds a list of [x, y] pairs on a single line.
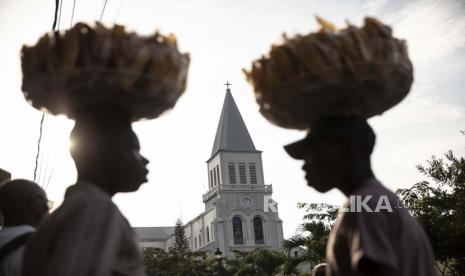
{"points": [[246, 202]]}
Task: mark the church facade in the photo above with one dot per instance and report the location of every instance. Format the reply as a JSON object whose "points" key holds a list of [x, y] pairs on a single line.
{"points": [[240, 213]]}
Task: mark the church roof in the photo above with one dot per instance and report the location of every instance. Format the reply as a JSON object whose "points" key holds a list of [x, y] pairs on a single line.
{"points": [[154, 233], [231, 134]]}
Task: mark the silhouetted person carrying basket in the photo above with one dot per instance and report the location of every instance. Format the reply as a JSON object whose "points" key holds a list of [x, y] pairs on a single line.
{"points": [[329, 83], [104, 79]]}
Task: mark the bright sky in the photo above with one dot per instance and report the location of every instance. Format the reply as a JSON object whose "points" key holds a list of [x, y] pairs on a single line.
{"points": [[223, 37]]}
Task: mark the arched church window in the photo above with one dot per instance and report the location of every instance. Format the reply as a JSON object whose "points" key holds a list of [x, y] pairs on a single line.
{"points": [[218, 174], [232, 173], [214, 177], [253, 173], [258, 230], [212, 227], [242, 176], [208, 234], [237, 230], [211, 179], [200, 240], [195, 240]]}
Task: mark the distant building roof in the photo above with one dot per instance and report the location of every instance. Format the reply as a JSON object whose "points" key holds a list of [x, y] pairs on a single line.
{"points": [[154, 233], [232, 134]]}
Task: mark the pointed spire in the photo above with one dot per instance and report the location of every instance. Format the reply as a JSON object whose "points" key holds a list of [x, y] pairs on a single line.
{"points": [[231, 134]]}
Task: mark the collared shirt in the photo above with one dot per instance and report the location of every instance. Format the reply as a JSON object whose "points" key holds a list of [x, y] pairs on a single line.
{"points": [[11, 264], [374, 225], [86, 236]]}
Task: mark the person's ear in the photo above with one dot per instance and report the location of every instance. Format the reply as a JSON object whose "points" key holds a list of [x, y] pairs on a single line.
{"points": [[38, 205]]}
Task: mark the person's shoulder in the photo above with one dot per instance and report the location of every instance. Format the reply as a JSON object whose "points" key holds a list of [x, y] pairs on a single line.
{"points": [[11, 232], [373, 186], [85, 194], [371, 197], [80, 201], [17, 229]]}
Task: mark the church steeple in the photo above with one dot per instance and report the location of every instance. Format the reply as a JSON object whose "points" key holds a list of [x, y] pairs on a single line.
{"points": [[232, 134]]}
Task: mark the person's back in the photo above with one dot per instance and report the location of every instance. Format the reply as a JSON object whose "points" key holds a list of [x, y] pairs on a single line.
{"points": [[87, 235], [374, 225], [22, 203]]}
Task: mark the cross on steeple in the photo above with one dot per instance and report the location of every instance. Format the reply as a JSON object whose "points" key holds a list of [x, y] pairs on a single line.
{"points": [[227, 85]]}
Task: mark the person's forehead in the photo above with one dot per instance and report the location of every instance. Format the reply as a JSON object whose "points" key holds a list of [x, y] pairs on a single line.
{"points": [[126, 136], [135, 139], [322, 144], [324, 141], [130, 135]]}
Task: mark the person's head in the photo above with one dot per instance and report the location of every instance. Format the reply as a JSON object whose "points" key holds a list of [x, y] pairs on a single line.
{"points": [[22, 202], [106, 150], [336, 153], [319, 270]]}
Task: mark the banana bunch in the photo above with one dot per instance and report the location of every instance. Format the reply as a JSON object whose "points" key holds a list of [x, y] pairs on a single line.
{"points": [[327, 73], [93, 65]]}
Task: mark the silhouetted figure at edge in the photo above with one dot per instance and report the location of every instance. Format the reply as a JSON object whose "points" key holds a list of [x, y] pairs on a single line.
{"points": [[375, 235], [23, 204], [87, 235]]}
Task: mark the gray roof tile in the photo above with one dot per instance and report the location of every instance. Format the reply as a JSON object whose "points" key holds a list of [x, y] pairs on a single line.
{"points": [[153, 233], [232, 134]]}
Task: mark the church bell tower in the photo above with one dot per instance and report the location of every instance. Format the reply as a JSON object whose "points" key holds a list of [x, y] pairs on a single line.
{"points": [[247, 216]]}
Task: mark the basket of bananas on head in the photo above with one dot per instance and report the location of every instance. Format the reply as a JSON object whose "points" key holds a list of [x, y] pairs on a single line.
{"points": [[355, 71], [89, 66]]}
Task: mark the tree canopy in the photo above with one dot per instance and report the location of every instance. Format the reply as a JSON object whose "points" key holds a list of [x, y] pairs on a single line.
{"points": [[312, 235], [181, 243], [439, 206]]}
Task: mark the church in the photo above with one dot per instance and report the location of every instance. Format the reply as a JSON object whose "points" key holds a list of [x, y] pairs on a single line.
{"points": [[240, 213]]}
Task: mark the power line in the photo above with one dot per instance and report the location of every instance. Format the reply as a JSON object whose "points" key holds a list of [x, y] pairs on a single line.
{"points": [[59, 15], [41, 162], [72, 14], [45, 172], [57, 3], [103, 9], [40, 168], [46, 180], [54, 27], [38, 145], [50, 176], [117, 12]]}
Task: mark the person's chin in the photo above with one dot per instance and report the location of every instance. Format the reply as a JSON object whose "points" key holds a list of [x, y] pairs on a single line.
{"points": [[323, 189], [320, 186], [132, 187]]}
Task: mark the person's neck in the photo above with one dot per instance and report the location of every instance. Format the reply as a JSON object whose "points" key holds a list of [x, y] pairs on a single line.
{"points": [[354, 182], [99, 181]]}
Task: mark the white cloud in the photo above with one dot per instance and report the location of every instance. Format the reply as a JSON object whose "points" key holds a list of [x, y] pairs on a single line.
{"points": [[425, 109], [373, 6], [433, 28]]}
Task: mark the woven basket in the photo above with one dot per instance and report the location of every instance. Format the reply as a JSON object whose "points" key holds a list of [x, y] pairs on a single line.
{"points": [[147, 98], [86, 67], [303, 100], [352, 72]]}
